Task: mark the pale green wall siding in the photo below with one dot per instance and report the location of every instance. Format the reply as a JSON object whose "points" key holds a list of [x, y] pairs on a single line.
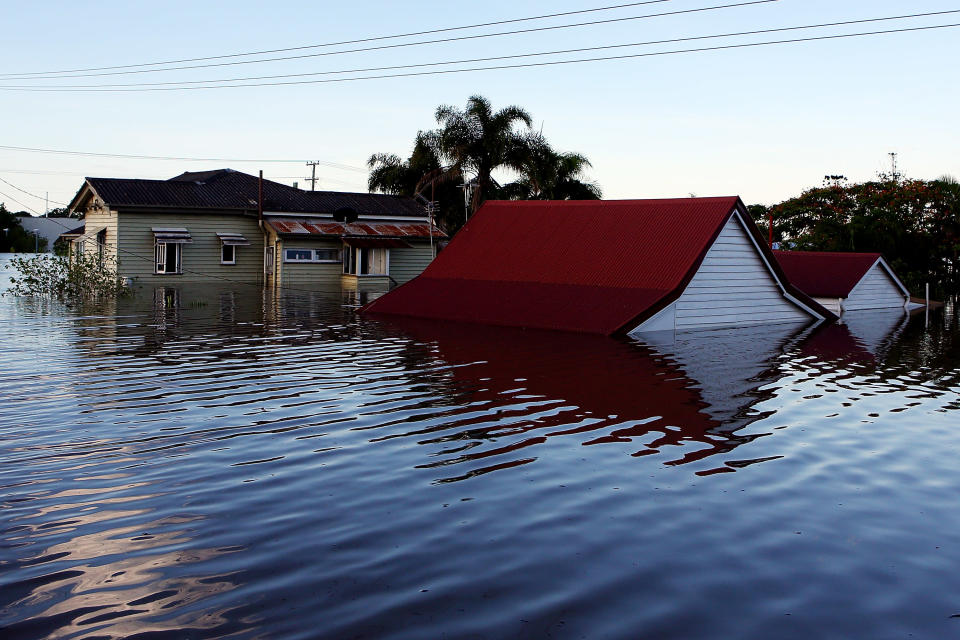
{"points": [[132, 233], [408, 262], [323, 274], [201, 258]]}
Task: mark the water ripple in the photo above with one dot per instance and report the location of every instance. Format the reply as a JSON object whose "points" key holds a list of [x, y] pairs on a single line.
{"points": [[280, 467]]}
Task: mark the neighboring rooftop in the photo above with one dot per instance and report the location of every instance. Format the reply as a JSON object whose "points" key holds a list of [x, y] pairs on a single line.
{"points": [[586, 266], [826, 274], [226, 189]]}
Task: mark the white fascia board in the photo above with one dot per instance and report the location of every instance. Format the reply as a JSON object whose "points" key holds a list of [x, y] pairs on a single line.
{"points": [[772, 271], [329, 216], [893, 276]]}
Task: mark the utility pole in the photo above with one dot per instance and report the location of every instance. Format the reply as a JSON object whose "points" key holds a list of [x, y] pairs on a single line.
{"points": [[46, 204], [313, 175], [893, 166]]}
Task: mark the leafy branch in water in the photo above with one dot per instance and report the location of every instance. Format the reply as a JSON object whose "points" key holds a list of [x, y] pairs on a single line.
{"points": [[83, 277]]}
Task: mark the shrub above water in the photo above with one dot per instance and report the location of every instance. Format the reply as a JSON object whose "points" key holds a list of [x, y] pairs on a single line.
{"points": [[78, 278]]}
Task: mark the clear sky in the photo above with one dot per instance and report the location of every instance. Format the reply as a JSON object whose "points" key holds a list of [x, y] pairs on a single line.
{"points": [[761, 122]]}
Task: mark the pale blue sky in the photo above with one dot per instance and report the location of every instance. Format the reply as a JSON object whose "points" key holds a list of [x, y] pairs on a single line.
{"points": [[763, 122]]}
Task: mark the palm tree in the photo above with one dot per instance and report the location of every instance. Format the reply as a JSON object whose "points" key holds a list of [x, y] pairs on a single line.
{"points": [[546, 174], [390, 174], [421, 174], [468, 147], [477, 141]]}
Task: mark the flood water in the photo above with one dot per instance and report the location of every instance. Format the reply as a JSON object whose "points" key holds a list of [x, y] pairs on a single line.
{"points": [[212, 462]]}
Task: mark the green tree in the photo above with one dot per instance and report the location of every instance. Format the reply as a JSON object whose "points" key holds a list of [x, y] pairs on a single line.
{"points": [[914, 223], [63, 212], [546, 174], [13, 237]]}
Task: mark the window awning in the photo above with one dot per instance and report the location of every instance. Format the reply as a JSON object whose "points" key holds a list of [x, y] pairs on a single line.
{"points": [[91, 232], [233, 239], [376, 243], [172, 235]]}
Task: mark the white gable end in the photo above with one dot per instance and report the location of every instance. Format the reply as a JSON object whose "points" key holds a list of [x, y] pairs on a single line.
{"points": [[733, 287], [876, 290]]}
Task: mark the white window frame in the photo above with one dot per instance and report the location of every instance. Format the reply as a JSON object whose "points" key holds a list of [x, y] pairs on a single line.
{"points": [[160, 263], [233, 253], [353, 268], [314, 256]]}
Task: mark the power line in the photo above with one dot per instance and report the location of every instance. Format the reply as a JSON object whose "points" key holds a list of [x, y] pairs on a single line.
{"points": [[492, 58], [333, 165], [40, 172], [343, 42], [30, 194], [411, 44], [502, 67], [9, 197]]}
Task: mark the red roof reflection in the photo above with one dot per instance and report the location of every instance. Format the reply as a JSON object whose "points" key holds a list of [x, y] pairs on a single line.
{"points": [[604, 391]]}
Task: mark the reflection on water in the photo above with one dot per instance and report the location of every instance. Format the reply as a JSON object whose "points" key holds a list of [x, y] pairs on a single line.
{"points": [[684, 393], [213, 462]]}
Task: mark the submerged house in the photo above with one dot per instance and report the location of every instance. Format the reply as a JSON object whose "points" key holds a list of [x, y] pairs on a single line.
{"points": [[608, 267], [216, 226], [845, 281]]}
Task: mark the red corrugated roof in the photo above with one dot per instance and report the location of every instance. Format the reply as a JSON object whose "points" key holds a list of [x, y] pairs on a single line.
{"points": [[586, 266], [825, 274], [311, 226]]}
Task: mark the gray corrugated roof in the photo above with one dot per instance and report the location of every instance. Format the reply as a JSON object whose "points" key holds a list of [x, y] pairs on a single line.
{"points": [[228, 189]]}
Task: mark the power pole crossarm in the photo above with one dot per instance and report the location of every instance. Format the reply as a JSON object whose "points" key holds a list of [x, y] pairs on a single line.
{"points": [[313, 175]]}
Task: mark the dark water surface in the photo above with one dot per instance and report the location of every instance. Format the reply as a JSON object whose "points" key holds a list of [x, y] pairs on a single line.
{"points": [[211, 463]]}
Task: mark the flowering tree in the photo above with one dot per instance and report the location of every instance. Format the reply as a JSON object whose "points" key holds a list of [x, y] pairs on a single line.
{"points": [[915, 224]]}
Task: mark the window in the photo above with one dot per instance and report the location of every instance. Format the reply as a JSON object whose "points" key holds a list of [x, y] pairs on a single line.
{"points": [[228, 254], [311, 255], [101, 245], [365, 261], [168, 257]]}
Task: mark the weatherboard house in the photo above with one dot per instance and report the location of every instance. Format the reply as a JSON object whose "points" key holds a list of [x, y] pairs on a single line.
{"points": [[221, 226], [607, 267], [845, 281]]}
